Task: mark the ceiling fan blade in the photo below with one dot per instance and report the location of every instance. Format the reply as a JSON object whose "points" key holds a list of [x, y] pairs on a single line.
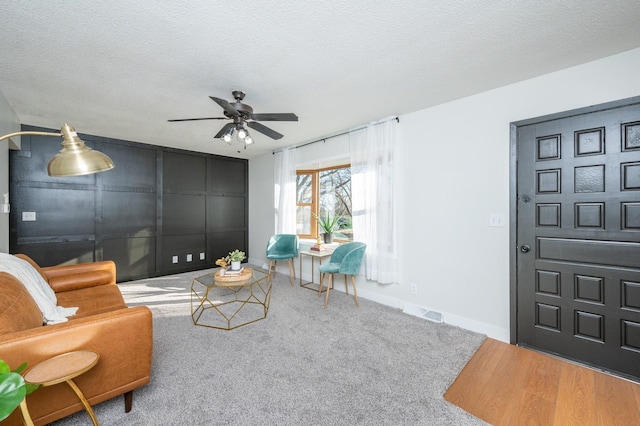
{"points": [[223, 130], [229, 109], [196, 119], [285, 116], [264, 129]]}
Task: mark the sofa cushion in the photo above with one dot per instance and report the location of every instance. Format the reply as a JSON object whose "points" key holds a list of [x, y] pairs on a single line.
{"points": [[80, 280], [92, 299], [18, 310]]}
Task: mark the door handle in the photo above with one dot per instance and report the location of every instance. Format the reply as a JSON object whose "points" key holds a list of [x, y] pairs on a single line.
{"points": [[525, 248]]}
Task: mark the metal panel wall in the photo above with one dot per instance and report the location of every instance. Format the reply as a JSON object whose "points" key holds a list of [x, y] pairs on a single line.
{"points": [[157, 205]]}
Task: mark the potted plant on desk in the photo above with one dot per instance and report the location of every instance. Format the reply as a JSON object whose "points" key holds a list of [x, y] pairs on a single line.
{"points": [[328, 225], [235, 257]]}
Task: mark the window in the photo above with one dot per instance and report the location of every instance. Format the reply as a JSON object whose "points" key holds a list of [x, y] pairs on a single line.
{"points": [[322, 192]]}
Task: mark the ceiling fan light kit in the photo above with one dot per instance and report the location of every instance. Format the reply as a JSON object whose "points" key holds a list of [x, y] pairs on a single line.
{"points": [[242, 133], [242, 114], [228, 135]]}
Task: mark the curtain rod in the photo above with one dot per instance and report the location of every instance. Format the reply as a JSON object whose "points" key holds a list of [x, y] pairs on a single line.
{"points": [[336, 135]]}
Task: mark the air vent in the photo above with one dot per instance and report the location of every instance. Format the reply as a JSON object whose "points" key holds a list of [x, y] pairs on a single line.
{"points": [[423, 313], [431, 315]]}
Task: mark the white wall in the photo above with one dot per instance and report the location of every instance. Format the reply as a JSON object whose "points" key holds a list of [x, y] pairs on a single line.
{"points": [[454, 174], [261, 207], [8, 124]]}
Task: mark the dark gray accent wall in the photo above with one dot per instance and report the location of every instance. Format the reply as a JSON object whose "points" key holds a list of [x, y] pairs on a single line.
{"points": [[158, 204]]}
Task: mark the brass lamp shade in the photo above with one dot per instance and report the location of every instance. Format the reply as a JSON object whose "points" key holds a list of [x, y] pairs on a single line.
{"points": [[75, 158]]}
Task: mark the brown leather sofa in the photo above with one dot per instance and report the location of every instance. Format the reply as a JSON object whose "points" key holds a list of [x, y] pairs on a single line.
{"points": [[122, 336]]}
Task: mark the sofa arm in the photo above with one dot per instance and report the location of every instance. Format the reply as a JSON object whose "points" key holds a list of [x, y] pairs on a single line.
{"points": [[123, 338], [82, 275]]}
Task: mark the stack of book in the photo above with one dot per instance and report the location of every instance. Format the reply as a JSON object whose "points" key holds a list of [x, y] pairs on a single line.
{"points": [[317, 247], [230, 273]]}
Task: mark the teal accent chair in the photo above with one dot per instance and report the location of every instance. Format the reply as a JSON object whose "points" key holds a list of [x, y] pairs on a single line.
{"points": [[346, 260], [283, 247]]}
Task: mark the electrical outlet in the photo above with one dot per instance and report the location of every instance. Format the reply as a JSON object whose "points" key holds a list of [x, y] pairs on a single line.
{"points": [[414, 289], [175, 259], [497, 220]]}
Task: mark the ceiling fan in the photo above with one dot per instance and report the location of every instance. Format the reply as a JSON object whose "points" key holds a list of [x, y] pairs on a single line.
{"points": [[242, 114]]}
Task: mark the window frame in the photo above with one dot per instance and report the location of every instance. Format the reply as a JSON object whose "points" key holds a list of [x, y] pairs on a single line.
{"points": [[315, 197], [314, 200]]}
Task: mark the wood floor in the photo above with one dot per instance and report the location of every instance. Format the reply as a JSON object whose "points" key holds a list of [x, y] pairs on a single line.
{"points": [[504, 384]]}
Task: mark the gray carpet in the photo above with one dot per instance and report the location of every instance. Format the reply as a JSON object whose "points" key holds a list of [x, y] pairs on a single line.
{"points": [[371, 365]]}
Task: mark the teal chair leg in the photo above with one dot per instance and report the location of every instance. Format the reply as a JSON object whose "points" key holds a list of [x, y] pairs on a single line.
{"points": [[292, 271], [355, 293], [321, 284], [273, 266], [329, 285], [346, 286]]}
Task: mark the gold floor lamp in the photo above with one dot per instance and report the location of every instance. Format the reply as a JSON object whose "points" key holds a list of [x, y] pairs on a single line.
{"points": [[75, 158]]}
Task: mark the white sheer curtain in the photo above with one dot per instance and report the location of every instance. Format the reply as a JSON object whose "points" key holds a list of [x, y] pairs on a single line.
{"points": [[285, 191], [373, 180]]}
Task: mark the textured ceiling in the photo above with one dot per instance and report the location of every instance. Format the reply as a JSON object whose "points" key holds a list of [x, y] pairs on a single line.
{"points": [[123, 68]]}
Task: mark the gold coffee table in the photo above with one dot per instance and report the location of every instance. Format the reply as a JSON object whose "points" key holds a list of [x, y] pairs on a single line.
{"points": [[228, 302]]}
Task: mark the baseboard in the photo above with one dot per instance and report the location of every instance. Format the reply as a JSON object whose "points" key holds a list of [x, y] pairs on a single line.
{"points": [[431, 314], [377, 297], [423, 312], [492, 331], [258, 263]]}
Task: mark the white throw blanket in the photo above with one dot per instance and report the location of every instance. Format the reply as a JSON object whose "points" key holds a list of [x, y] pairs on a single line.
{"points": [[39, 289]]}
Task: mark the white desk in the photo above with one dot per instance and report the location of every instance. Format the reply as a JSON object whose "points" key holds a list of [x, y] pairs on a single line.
{"points": [[312, 285]]}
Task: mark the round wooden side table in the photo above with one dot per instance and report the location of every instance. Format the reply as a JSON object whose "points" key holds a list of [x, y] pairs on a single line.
{"points": [[64, 368]]}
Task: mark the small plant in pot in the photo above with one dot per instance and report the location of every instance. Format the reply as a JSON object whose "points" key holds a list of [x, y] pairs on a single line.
{"points": [[328, 224], [235, 257]]}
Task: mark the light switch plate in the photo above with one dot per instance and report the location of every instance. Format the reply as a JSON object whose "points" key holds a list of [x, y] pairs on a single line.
{"points": [[28, 216]]}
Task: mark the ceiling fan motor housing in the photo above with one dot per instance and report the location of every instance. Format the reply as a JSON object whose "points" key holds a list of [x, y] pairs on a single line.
{"points": [[244, 110]]}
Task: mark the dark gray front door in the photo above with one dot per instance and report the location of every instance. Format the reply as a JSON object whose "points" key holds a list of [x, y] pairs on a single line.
{"points": [[577, 254]]}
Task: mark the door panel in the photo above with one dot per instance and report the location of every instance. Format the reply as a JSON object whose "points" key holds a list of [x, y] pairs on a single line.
{"points": [[578, 239]]}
